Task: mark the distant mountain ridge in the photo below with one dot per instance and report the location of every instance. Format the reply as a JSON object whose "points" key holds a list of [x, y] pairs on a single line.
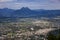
{"points": [[26, 12], [6, 12]]}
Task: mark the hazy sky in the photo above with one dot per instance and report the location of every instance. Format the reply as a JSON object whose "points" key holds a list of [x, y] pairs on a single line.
{"points": [[33, 4]]}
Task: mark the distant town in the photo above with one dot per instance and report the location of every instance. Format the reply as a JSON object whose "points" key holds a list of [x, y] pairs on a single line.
{"points": [[28, 28]]}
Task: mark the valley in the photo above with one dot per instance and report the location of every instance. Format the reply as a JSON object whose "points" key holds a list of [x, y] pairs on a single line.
{"points": [[18, 27]]}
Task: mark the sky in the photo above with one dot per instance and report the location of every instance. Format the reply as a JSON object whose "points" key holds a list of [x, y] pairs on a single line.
{"points": [[32, 4]]}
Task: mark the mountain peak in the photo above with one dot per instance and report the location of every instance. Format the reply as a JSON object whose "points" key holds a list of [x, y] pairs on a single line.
{"points": [[25, 8], [5, 8]]}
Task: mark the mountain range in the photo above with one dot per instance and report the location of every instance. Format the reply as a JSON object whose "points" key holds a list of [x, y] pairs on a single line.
{"points": [[26, 12]]}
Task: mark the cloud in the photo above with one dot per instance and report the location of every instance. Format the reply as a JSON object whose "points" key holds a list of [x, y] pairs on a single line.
{"points": [[42, 1], [6, 0], [30, 5], [33, 4], [30, 0], [55, 1]]}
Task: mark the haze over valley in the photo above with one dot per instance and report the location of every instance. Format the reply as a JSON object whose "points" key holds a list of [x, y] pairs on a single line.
{"points": [[29, 19]]}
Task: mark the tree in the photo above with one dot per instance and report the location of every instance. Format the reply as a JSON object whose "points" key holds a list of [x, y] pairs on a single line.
{"points": [[58, 37], [51, 37]]}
